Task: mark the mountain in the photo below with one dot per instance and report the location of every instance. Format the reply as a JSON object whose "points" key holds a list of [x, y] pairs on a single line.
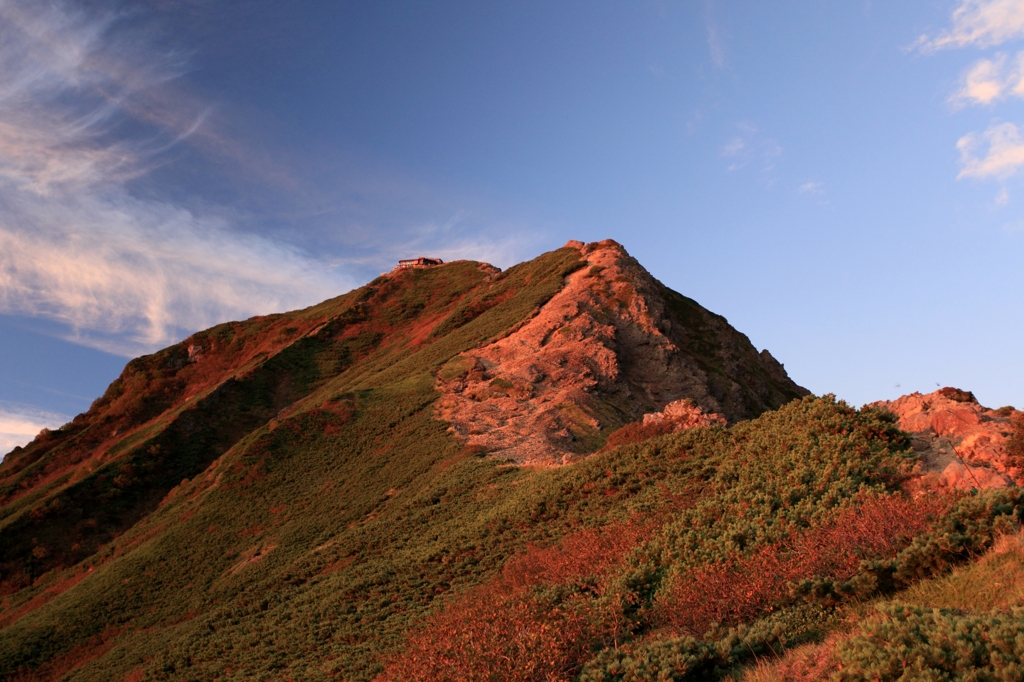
{"points": [[561, 471], [553, 356]]}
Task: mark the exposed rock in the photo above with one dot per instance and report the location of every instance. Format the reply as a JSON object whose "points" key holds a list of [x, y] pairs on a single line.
{"points": [[613, 344], [682, 415], [961, 444]]}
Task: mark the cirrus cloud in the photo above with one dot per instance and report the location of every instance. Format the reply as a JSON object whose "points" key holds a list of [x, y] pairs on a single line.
{"points": [[85, 109], [19, 424], [979, 23], [1003, 152], [129, 276]]}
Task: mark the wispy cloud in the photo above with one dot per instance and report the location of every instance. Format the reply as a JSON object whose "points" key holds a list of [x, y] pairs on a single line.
{"points": [[811, 187], [716, 49], [979, 23], [68, 85], [1002, 152], [84, 110], [19, 424], [129, 275], [751, 147], [463, 237], [990, 80], [734, 147]]}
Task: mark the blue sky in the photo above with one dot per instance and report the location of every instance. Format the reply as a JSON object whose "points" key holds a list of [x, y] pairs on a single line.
{"points": [[840, 180]]}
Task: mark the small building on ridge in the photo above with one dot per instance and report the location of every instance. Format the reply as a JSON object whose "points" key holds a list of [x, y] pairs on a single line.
{"points": [[421, 262]]}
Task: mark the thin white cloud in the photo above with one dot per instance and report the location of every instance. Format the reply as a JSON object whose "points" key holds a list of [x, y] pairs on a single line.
{"points": [[733, 147], [129, 275], [751, 147], [83, 110], [1003, 198], [979, 23], [990, 80], [1002, 152], [715, 48], [461, 238], [68, 85], [19, 424], [812, 187]]}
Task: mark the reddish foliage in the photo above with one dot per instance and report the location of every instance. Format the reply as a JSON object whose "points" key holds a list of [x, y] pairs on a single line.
{"points": [[637, 432], [588, 551], [508, 630], [56, 668], [1015, 445], [65, 583], [740, 590]]}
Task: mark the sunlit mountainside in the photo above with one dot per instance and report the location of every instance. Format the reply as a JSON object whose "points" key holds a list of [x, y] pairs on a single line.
{"points": [[562, 471]]}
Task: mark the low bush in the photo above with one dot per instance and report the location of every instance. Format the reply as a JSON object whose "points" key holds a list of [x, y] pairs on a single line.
{"points": [[543, 614], [715, 657], [910, 642], [958, 395], [637, 432], [1015, 445], [816, 564]]}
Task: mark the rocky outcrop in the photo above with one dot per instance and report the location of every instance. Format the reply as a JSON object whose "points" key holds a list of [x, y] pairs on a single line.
{"points": [[609, 347], [961, 444], [682, 415]]}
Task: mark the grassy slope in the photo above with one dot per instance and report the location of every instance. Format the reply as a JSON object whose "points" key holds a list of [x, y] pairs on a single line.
{"points": [[166, 419], [347, 561], [318, 470]]}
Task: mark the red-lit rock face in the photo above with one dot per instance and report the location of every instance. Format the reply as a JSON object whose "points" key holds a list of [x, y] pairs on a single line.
{"points": [[962, 444], [602, 352], [683, 414]]}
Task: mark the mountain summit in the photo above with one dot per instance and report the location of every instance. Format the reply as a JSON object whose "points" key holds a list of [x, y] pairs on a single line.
{"points": [[612, 344]]}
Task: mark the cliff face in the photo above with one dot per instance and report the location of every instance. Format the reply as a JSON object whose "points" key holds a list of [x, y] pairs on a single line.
{"points": [[613, 344], [961, 444]]}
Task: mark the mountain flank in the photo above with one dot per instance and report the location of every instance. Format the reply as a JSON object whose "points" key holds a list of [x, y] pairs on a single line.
{"points": [[562, 471]]}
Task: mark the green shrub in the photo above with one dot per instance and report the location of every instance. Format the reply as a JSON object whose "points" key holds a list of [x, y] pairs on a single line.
{"points": [[966, 531], [712, 657], [912, 643]]}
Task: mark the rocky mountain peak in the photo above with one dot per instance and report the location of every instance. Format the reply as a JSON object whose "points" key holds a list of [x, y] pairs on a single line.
{"points": [[610, 346]]}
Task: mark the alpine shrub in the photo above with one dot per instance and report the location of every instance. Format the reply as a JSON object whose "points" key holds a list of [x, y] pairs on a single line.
{"points": [[910, 642]]}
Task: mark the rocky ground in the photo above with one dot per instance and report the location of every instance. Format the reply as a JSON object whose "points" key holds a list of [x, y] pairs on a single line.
{"points": [[962, 444]]}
